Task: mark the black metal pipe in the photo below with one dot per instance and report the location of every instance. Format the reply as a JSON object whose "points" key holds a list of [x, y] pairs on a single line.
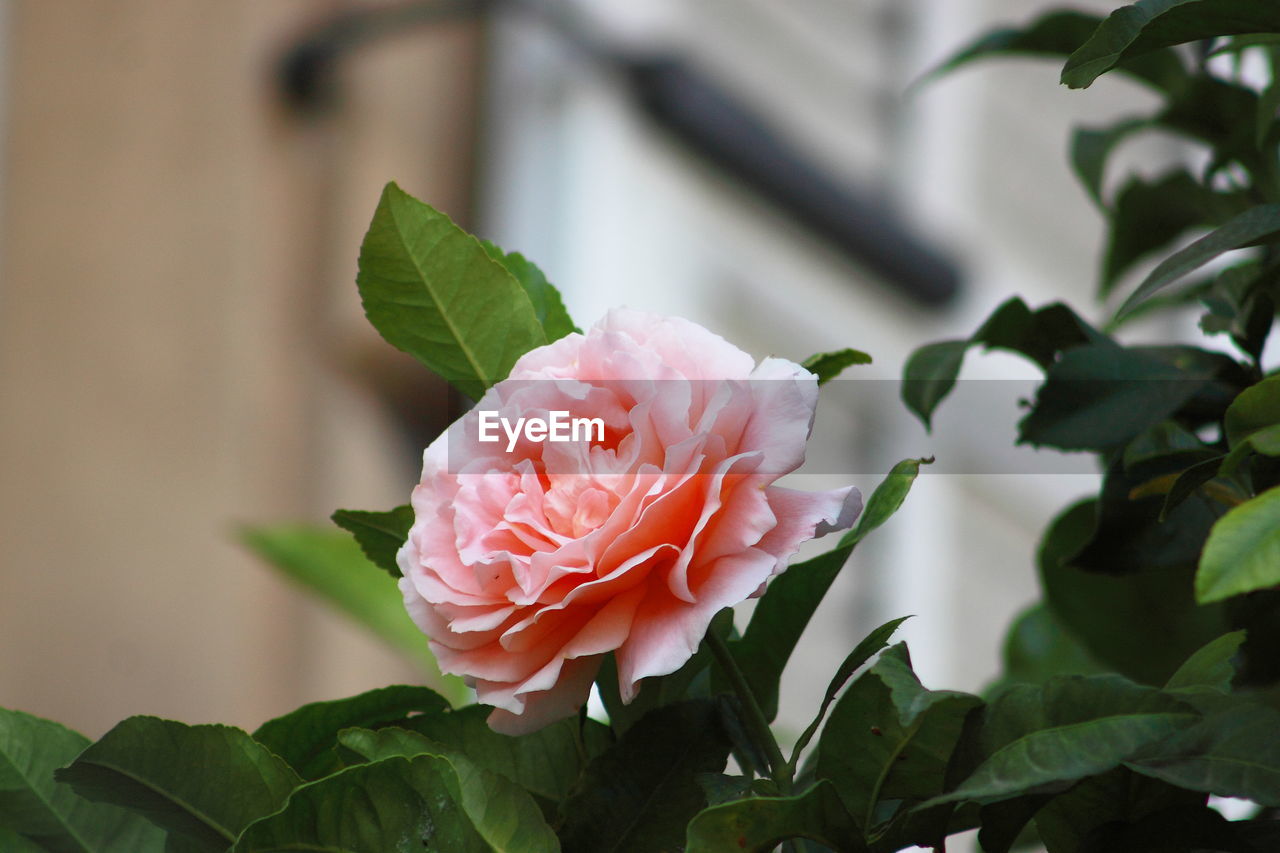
{"points": [[703, 117]]}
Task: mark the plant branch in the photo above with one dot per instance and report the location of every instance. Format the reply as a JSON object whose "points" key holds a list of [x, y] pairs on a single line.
{"points": [[757, 725]]}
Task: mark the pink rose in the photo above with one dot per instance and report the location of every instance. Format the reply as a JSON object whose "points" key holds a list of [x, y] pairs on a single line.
{"points": [[525, 565]]}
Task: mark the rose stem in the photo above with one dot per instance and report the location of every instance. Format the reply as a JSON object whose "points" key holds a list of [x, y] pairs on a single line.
{"points": [[756, 724]]}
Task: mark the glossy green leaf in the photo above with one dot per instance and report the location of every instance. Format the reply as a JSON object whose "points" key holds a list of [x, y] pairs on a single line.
{"points": [[759, 824], [379, 534], [45, 816], [1243, 550], [1256, 408], [305, 738], [501, 811], [546, 762], [640, 794], [863, 652], [1058, 34], [828, 365], [394, 804], [1247, 229], [547, 304], [1210, 668], [1234, 753], [1149, 25], [890, 739], [203, 784], [1042, 739], [330, 564], [433, 291]]}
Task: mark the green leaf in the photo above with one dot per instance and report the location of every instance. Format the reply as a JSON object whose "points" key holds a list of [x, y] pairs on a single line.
{"points": [[547, 304], [305, 737], [1256, 408], [1243, 550], [1057, 34], [379, 534], [1092, 146], [885, 500], [870, 645], [1250, 228], [778, 622], [432, 290], [640, 794], [1239, 303], [1210, 668], [1038, 647], [1180, 828], [1099, 396], [1129, 536], [1217, 113], [1073, 820], [1043, 739], [929, 375], [547, 762], [395, 804], [759, 824], [786, 607], [14, 843], [930, 372], [502, 812], [890, 739], [41, 815], [1149, 25], [1234, 753], [204, 784], [1144, 623], [1151, 214], [331, 564], [828, 365], [1188, 483]]}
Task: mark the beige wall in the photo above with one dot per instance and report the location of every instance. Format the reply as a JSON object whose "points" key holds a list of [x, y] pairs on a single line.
{"points": [[180, 348]]}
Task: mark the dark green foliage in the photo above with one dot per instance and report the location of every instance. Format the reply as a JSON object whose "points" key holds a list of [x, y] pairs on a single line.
{"points": [[640, 794], [379, 534], [202, 784], [305, 738], [759, 823], [39, 814]]}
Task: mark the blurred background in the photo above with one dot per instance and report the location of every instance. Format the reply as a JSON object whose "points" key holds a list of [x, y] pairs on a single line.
{"points": [[184, 190]]}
